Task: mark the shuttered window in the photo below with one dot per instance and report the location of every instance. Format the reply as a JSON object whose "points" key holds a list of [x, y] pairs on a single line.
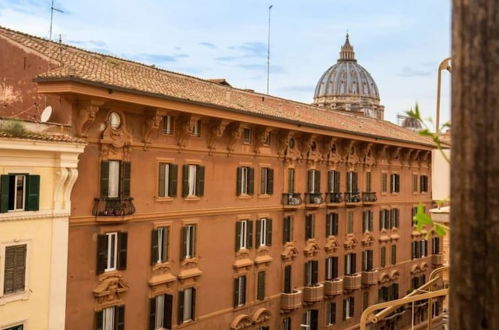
{"points": [[414, 211], [288, 288], [314, 181], [332, 224], [384, 182], [19, 192], [111, 251], [196, 128], [160, 312], [368, 181], [186, 305], [159, 245], [286, 324], [331, 268], [111, 318], [394, 218], [367, 260], [115, 179], [435, 245], [188, 242], [352, 182], [244, 234], [349, 222], [350, 263], [384, 219], [423, 180], [287, 229], [333, 181], [394, 254], [309, 226], [311, 272], [331, 313], [367, 221], [14, 268], [260, 286], [291, 180], [394, 183], [239, 291], [245, 180], [167, 180], [383, 256], [348, 308], [414, 183], [264, 232], [267, 181], [193, 180]]}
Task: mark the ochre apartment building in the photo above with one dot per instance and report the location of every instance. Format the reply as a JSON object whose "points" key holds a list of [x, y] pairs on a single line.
{"points": [[203, 206]]}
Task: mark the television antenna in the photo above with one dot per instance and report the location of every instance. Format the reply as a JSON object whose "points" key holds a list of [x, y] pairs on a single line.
{"points": [[52, 9]]}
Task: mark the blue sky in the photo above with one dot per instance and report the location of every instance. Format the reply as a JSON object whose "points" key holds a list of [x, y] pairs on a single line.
{"points": [[399, 42]]}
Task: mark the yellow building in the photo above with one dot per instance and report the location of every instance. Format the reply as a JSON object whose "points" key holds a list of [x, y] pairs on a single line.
{"points": [[38, 169]]}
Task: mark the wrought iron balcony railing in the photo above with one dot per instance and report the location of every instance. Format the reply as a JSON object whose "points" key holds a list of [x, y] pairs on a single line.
{"points": [[334, 197], [113, 207], [352, 197], [291, 199], [369, 197], [314, 198]]}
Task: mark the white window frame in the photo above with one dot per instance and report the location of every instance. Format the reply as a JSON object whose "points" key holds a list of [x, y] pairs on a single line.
{"points": [[108, 318], [23, 193], [111, 251], [263, 232], [113, 184], [193, 171], [20, 295], [190, 232], [167, 121], [187, 315]]}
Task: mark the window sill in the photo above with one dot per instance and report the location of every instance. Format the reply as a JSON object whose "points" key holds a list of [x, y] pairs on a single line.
{"points": [[239, 308], [192, 198], [244, 196], [187, 324], [16, 296], [163, 199], [264, 196]]}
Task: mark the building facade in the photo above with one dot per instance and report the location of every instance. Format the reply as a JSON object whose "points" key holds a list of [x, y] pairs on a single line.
{"points": [[37, 175], [202, 206]]}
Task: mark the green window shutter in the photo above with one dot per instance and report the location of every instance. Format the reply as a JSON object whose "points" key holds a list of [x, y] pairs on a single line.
{"points": [[270, 181], [345, 309], [261, 286], [32, 192], [120, 317], [185, 180], [383, 256], [258, 228], [200, 180], [263, 182], [335, 224], [337, 181], [104, 179], [239, 174], [317, 181], [315, 271], [244, 289], [291, 180], [126, 171], [287, 279], [269, 232], [352, 305], [329, 181], [251, 180], [308, 226], [193, 304], [167, 319], [152, 314], [162, 178], [249, 233], [101, 253], [154, 246], [238, 235], [4, 193], [99, 322], [236, 292], [310, 178], [180, 318], [394, 254], [193, 240], [355, 182], [285, 230], [166, 242], [122, 250], [172, 185]]}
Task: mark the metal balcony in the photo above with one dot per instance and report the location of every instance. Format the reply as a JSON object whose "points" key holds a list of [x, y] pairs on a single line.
{"points": [[334, 199], [352, 198], [291, 200], [368, 198], [113, 207], [313, 200]]}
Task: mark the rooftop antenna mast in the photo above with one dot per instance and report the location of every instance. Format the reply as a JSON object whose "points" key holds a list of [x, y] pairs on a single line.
{"points": [[52, 9], [268, 52]]}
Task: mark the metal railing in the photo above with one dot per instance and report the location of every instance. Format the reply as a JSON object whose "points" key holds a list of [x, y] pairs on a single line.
{"points": [[369, 197], [352, 197], [314, 198], [291, 199], [334, 197], [113, 207]]}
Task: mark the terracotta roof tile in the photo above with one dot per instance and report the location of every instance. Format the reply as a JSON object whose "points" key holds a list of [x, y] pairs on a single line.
{"points": [[42, 137], [107, 70]]}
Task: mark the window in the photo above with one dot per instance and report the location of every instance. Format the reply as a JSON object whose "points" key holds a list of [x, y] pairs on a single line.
{"points": [[314, 181], [423, 182], [331, 268], [167, 125], [16, 327], [367, 260], [350, 264], [368, 181], [188, 241], [267, 181], [160, 312], [264, 232], [414, 211], [394, 254], [196, 128], [383, 256], [435, 245], [352, 183], [288, 288], [419, 249], [331, 313], [331, 224], [418, 281], [414, 183], [367, 221], [244, 234], [384, 182], [394, 183], [19, 192], [245, 180], [388, 293], [424, 248], [186, 305], [239, 291], [287, 229], [111, 318], [115, 179], [348, 308], [310, 319], [246, 135], [309, 226], [260, 286], [311, 273], [394, 218], [365, 300], [333, 181], [193, 180], [349, 222], [159, 245], [14, 269], [167, 180], [266, 140], [384, 219], [291, 180], [286, 323], [111, 251]]}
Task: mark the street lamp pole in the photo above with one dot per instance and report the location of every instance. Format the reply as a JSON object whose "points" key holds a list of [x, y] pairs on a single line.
{"points": [[444, 65]]}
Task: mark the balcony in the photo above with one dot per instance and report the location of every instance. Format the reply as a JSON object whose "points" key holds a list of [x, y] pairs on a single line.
{"points": [[352, 282], [334, 287], [290, 301], [313, 200], [334, 199], [312, 294], [108, 208], [370, 277], [369, 198], [437, 260], [352, 198], [291, 201]]}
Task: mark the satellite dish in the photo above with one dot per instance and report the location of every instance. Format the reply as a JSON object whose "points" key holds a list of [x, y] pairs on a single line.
{"points": [[46, 113]]}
